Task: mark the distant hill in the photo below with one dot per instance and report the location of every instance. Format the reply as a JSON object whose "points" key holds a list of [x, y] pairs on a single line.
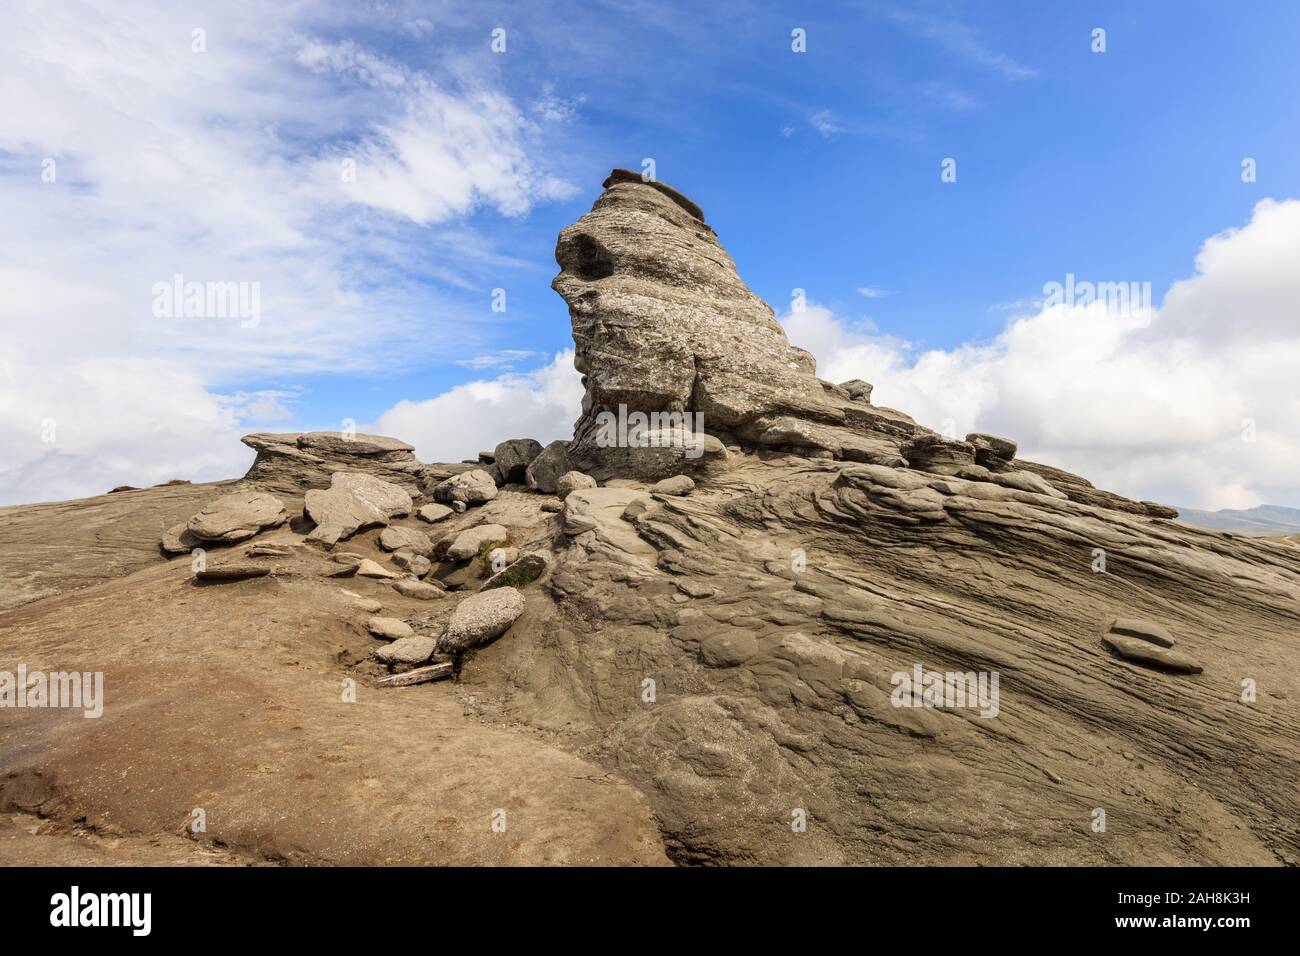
{"points": [[1265, 520]]}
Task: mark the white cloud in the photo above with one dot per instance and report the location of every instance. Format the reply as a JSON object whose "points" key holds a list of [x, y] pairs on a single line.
{"points": [[475, 416], [225, 166], [1149, 405], [824, 122]]}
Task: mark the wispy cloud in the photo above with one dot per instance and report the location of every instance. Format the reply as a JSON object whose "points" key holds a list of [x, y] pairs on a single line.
{"points": [[825, 123], [959, 39], [503, 359]]}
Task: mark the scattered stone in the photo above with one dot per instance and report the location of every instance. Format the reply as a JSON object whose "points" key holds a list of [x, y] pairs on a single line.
{"points": [[433, 512], [237, 517], [1137, 649], [232, 572], [268, 551], [420, 590], [551, 506], [416, 564], [178, 539], [346, 571], [347, 557], [472, 487], [458, 507], [677, 485], [405, 539], [481, 618], [544, 471], [415, 649], [467, 543], [368, 605], [1147, 631], [527, 568], [513, 457], [571, 481], [389, 628], [369, 569]]}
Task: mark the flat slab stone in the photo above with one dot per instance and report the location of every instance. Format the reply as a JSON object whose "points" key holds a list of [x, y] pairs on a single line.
{"points": [[1136, 649], [237, 517], [1146, 630]]}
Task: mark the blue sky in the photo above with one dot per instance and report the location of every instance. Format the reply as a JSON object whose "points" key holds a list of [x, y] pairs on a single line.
{"points": [[1116, 164], [819, 170]]}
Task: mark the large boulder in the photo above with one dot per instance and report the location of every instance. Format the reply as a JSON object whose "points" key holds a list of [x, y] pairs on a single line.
{"points": [[513, 457], [480, 618], [237, 517], [544, 471], [352, 502], [472, 487]]}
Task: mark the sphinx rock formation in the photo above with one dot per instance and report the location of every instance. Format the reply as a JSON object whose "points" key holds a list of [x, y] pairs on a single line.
{"points": [[663, 326]]}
